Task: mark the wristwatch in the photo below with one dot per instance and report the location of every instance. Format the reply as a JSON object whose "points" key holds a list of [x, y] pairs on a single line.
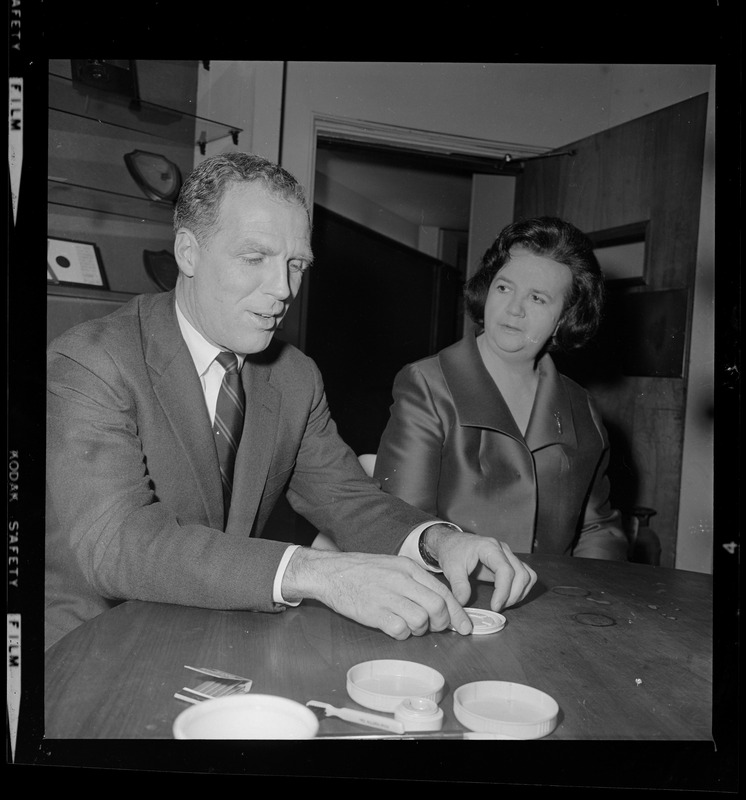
{"points": [[425, 554]]}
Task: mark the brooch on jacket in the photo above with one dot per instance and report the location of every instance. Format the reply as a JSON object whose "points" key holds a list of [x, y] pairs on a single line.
{"points": [[558, 420]]}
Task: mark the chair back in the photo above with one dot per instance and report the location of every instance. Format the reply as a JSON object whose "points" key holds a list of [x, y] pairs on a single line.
{"points": [[368, 463]]}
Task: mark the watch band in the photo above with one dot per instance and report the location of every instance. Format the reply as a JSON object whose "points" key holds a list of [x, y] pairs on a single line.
{"points": [[425, 554]]}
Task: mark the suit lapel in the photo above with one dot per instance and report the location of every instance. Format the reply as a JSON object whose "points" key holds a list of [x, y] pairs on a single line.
{"points": [[179, 391], [551, 419], [478, 401]]}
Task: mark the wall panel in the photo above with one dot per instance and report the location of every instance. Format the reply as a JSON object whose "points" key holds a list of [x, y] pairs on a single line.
{"points": [[649, 169]]}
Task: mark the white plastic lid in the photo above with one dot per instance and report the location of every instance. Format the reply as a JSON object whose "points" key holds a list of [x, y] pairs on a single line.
{"points": [[246, 716], [384, 684], [419, 714], [484, 621], [508, 709]]}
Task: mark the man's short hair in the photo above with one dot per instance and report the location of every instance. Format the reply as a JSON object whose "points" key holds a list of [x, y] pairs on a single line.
{"points": [[198, 204]]}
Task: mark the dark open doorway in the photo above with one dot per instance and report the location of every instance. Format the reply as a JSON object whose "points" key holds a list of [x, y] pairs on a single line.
{"points": [[390, 241], [375, 302], [374, 305]]}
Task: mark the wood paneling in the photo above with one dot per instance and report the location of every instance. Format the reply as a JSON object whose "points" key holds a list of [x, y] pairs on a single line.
{"points": [[649, 169]]}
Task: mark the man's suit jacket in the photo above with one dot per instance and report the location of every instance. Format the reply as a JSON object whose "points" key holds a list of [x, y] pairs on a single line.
{"points": [[134, 498], [453, 449]]}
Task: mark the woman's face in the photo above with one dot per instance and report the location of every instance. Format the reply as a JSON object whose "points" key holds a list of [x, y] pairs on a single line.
{"points": [[524, 304]]}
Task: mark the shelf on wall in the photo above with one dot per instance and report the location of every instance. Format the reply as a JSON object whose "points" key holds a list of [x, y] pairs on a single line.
{"points": [[86, 293], [62, 192], [140, 116], [93, 193]]}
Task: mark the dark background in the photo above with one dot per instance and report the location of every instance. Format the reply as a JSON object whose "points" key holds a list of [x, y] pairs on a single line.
{"points": [[701, 32]]}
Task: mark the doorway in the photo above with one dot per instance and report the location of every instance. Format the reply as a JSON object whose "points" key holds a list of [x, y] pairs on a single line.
{"points": [[390, 243], [396, 205]]}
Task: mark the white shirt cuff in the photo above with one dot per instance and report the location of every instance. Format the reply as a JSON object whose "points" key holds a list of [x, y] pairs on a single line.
{"points": [[411, 545], [280, 574]]}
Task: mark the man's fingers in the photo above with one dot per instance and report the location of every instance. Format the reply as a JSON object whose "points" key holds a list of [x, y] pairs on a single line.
{"points": [[390, 593], [459, 618], [529, 579], [513, 579], [504, 575], [449, 612], [523, 580], [404, 616], [460, 587], [463, 554], [393, 625], [444, 605]]}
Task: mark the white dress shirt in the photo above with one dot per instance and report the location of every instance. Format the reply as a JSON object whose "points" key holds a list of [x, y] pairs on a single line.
{"points": [[211, 376]]}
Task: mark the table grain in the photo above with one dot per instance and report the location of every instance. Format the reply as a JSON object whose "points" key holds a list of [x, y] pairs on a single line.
{"points": [[625, 650]]}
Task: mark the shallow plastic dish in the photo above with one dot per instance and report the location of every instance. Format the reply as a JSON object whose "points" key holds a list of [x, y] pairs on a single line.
{"points": [[250, 716], [511, 710], [484, 621], [382, 685]]}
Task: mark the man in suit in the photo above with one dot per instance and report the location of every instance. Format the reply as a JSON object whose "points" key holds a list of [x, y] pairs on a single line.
{"points": [[136, 508]]}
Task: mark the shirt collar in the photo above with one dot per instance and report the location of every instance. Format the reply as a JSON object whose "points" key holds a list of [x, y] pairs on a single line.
{"points": [[203, 353]]}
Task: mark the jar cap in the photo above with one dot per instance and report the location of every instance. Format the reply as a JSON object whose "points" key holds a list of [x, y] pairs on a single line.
{"points": [[484, 621], [419, 714]]}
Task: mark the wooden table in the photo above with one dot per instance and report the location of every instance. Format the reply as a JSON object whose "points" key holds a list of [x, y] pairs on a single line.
{"points": [[625, 649]]}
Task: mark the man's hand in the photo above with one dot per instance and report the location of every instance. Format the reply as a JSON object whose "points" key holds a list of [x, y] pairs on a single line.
{"points": [[387, 592], [460, 554]]}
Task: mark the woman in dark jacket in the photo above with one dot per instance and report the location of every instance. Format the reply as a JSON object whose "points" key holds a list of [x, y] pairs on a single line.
{"points": [[487, 434]]}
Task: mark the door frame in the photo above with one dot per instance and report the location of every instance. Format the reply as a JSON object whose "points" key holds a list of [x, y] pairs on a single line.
{"points": [[485, 155]]}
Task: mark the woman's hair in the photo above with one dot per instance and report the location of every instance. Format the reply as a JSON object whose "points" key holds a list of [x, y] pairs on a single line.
{"points": [[198, 205], [562, 242]]}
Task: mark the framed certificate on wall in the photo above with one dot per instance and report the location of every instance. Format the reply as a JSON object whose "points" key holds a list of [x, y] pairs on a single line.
{"points": [[74, 263]]}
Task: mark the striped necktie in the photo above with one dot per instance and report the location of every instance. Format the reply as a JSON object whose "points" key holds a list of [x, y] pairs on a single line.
{"points": [[228, 424]]}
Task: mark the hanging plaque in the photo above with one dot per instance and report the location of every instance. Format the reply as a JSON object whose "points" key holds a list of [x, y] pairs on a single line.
{"points": [[161, 268], [158, 177]]}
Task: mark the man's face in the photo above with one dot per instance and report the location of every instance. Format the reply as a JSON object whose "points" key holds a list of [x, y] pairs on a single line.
{"points": [[236, 288]]}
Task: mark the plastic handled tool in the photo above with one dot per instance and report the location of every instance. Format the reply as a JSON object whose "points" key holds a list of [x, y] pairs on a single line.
{"points": [[359, 717], [416, 735]]}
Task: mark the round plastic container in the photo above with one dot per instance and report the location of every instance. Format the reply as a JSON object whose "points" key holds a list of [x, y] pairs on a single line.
{"points": [[250, 716], [419, 714], [383, 685], [511, 710]]}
